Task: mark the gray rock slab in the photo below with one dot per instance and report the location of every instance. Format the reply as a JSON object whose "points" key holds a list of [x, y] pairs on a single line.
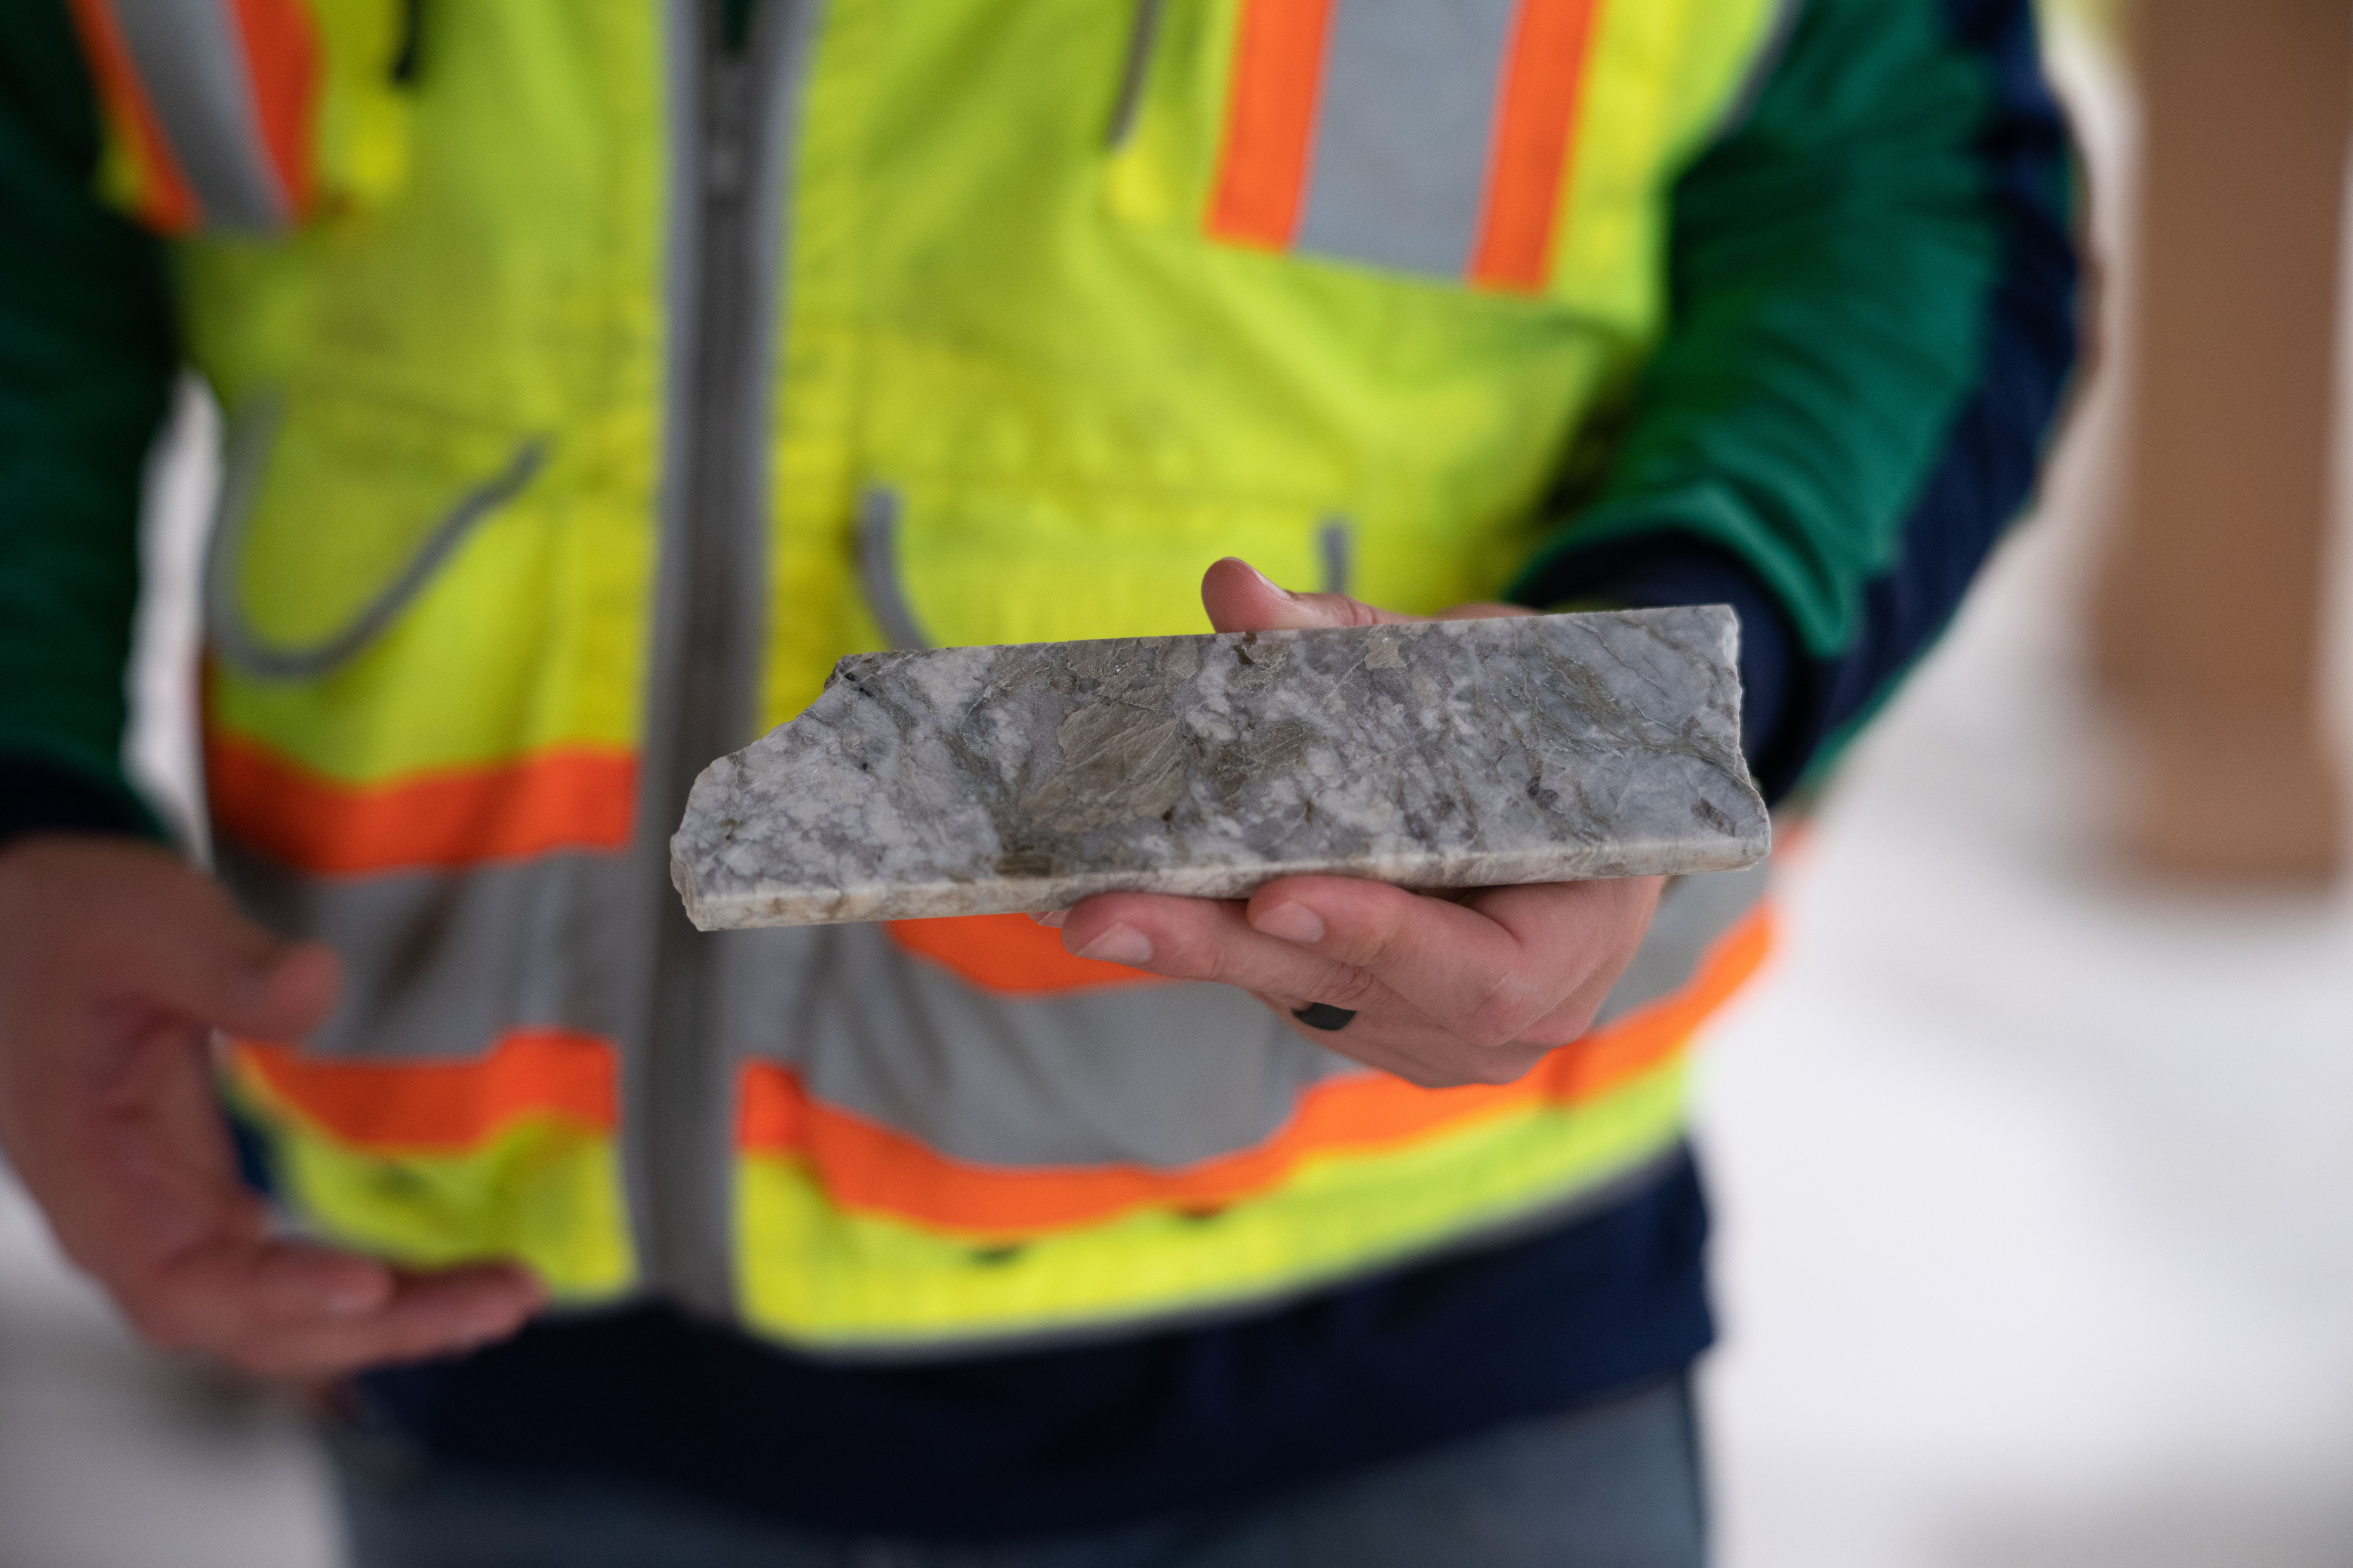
{"points": [[1454, 754]]}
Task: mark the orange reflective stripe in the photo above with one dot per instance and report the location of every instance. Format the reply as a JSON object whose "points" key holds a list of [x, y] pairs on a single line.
{"points": [[1271, 121], [1011, 954], [867, 1166], [387, 1107], [282, 51], [574, 798], [164, 201], [1543, 82]]}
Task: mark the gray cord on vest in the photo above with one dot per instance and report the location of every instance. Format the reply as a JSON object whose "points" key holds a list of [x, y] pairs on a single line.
{"points": [[252, 434]]}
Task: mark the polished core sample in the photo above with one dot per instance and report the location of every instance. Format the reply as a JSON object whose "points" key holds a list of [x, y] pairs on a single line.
{"points": [[1452, 754]]}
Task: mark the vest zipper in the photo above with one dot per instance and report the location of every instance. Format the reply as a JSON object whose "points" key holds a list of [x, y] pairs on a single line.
{"points": [[726, 250]]}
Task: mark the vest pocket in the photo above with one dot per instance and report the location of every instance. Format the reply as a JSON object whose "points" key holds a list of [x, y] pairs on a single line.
{"points": [[293, 594], [969, 564]]}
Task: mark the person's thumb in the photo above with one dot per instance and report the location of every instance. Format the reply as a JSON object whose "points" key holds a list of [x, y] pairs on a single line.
{"points": [[286, 996], [1241, 598], [211, 962]]}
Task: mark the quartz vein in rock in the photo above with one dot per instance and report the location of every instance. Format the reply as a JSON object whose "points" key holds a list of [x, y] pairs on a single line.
{"points": [[1456, 755]]}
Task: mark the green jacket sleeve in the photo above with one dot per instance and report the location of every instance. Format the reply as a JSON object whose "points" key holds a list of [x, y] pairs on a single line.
{"points": [[1874, 292], [86, 358]]}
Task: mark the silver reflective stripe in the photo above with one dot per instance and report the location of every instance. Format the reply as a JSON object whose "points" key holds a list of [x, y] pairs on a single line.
{"points": [[1404, 127], [1694, 914], [252, 434], [1161, 1077], [878, 568], [440, 964], [190, 55]]}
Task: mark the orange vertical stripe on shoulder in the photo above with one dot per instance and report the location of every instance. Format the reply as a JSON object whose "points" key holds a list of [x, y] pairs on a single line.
{"points": [[166, 201], [386, 1106], [1271, 121], [1535, 130], [578, 798], [1011, 954], [281, 52]]}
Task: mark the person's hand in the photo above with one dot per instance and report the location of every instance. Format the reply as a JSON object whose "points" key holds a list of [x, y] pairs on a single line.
{"points": [[1443, 992], [117, 962]]}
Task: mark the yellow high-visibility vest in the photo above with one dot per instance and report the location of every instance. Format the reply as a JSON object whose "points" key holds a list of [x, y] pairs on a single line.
{"points": [[591, 388]]}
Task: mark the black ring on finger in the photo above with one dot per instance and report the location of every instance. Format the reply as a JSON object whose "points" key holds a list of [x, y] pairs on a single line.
{"points": [[1324, 1017]]}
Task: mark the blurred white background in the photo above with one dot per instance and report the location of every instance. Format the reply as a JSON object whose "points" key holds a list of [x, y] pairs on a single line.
{"points": [[2034, 1180], [2035, 1183]]}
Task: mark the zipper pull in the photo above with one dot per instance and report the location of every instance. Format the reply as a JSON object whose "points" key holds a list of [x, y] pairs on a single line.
{"points": [[726, 153]]}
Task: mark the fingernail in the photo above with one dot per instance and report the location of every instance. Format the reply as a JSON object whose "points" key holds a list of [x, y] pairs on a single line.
{"points": [[1053, 918], [1290, 922], [1272, 582], [1120, 944]]}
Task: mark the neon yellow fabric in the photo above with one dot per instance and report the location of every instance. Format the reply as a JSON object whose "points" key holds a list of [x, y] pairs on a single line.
{"points": [[510, 291], [1024, 333], [362, 146], [542, 1190], [1083, 400]]}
